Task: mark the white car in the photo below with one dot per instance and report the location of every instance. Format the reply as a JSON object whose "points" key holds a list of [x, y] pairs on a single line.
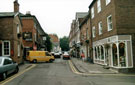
{"points": [[7, 66]]}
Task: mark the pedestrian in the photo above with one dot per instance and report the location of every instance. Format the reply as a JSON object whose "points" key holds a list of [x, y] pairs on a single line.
{"points": [[83, 56]]}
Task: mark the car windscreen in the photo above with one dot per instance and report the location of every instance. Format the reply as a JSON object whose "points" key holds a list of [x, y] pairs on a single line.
{"points": [[0, 61]]}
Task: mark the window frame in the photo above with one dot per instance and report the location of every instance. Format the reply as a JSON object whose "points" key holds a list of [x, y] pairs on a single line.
{"points": [[18, 47], [98, 6], [92, 13], [109, 23], [108, 1], [93, 31], [100, 28], [3, 47], [18, 29]]}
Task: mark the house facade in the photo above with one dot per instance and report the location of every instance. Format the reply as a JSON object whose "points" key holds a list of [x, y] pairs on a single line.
{"points": [[33, 34], [113, 33], [110, 26], [55, 43], [74, 36], [10, 36]]}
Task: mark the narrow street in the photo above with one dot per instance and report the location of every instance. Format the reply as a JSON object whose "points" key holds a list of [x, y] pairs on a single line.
{"points": [[60, 73]]}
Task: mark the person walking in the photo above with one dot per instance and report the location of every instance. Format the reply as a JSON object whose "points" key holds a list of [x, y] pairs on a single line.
{"points": [[83, 56]]}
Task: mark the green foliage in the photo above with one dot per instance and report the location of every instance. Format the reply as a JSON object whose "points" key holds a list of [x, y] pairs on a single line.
{"points": [[64, 43], [48, 43]]}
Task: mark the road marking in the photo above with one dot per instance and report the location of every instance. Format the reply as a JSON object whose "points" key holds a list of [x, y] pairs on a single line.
{"points": [[16, 75], [96, 74]]}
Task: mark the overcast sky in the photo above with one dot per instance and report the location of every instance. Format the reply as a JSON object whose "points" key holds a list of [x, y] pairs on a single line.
{"points": [[55, 16]]}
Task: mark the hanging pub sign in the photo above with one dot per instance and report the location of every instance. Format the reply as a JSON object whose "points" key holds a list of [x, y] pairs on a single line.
{"points": [[27, 36]]}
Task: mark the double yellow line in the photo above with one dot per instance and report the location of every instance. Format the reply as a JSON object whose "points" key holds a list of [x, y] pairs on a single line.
{"points": [[73, 68], [16, 75]]}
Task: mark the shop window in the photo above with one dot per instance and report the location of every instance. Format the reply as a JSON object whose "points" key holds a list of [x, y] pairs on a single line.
{"points": [[122, 57], [95, 53], [102, 53], [114, 53], [98, 53]]}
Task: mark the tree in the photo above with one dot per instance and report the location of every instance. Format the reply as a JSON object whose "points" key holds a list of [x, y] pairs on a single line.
{"points": [[64, 43], [48, 43]]}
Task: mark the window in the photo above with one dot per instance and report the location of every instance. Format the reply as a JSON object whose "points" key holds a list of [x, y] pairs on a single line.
{"points": [[0, 61], [94, 32], [92, 12], [99, 6], [7, 61], [6, 47], [122, 55], [100, 27], [109, 23], [18, 50], [35, 37], [102, 53], [108, 1], [18, 29]]}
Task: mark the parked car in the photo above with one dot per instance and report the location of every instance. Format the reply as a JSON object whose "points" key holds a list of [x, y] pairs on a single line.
{"points": [[7, 66], [40, 56], [66, 55], [57, 55]]}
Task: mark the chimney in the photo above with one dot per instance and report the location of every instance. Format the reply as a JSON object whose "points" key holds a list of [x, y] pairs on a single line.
{"points": [[16, 6], [28, 13]]}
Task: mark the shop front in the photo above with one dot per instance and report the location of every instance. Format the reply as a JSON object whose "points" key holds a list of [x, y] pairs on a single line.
{"points": [[115, 51]]}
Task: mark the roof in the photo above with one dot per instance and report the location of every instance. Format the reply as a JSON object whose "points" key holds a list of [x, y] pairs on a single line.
{"points": [[92, 3], [40, 29], [81, 14], [7, 14], [10, 14]]}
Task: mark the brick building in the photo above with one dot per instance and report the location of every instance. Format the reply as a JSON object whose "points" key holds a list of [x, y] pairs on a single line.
{"points": [[32, 33], [74, 36], [11, 35], [110, 26], [113, 33], [85, 37], [55, 42]]}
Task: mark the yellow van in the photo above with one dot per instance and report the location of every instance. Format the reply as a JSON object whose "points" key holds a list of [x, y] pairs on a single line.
{"points": [[39, 56]]}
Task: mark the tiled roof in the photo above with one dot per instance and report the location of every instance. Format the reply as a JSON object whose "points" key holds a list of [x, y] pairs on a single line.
{"points": [[7, 14], [81, 14]]}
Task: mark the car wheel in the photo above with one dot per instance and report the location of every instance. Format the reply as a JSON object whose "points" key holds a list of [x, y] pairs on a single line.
{"points": [[50, 60], [4, 76], [34, 61]]}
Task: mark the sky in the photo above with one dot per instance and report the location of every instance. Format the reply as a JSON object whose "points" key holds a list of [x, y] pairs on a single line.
{"points": [[55, 16]]}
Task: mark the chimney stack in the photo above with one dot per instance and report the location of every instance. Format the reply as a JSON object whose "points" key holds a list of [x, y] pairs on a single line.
{"points": [[16, 6]]}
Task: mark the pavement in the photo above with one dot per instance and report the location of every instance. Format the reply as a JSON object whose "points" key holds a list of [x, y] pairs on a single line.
{"points": [[86, 67], [24, 66]]}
